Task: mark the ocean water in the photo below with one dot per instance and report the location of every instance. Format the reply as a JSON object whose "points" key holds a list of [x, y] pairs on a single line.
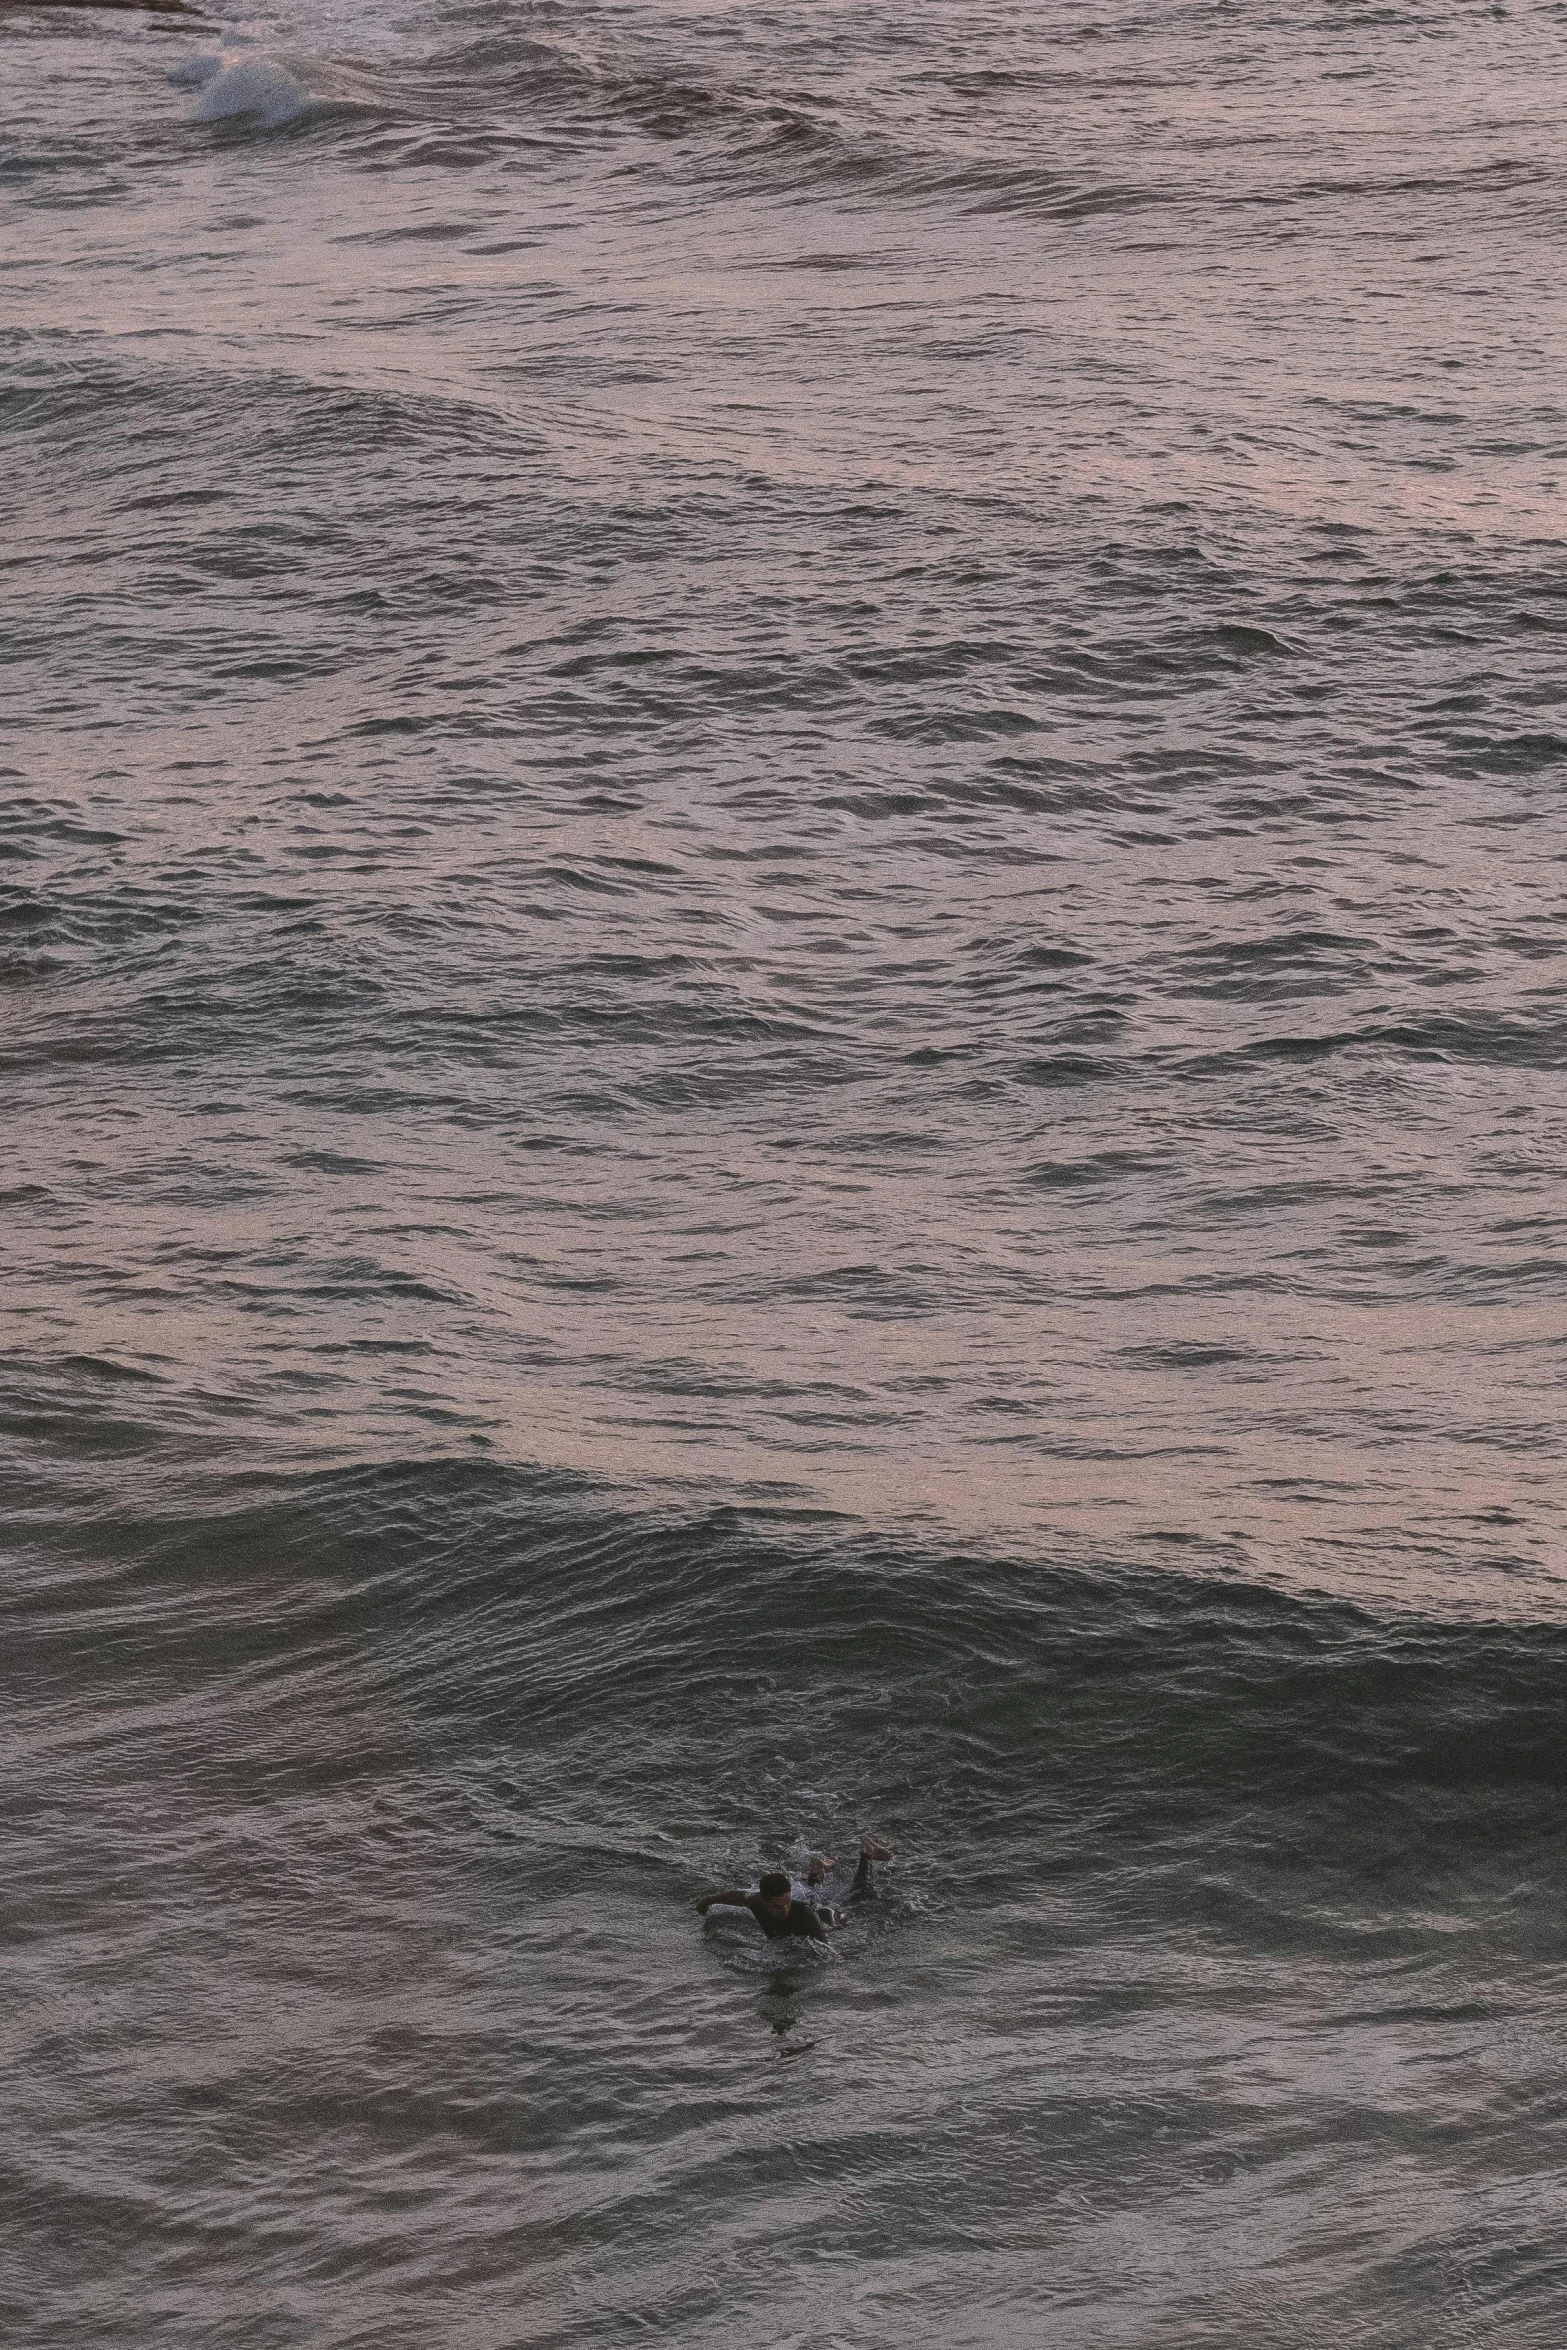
{"points": [[782, 874]]}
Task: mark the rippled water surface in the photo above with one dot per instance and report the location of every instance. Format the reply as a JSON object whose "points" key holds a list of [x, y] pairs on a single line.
{"points": [[782, 1024]]}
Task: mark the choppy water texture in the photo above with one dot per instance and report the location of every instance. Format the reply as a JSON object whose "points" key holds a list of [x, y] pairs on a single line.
{"points": [[781, 878]]}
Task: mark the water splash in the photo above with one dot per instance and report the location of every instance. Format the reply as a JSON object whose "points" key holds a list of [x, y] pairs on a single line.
{"points": [[234, 87]]}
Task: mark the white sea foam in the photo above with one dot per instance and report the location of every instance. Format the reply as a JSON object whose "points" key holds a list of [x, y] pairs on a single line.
{"points": [[193, 73], [257, 86]]}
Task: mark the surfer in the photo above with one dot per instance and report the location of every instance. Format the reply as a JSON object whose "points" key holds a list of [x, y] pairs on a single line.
{"points": [[780, 1911]]}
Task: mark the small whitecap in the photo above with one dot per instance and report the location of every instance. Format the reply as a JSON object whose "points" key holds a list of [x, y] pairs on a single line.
{"points": [[194, 73], [254, 86]]}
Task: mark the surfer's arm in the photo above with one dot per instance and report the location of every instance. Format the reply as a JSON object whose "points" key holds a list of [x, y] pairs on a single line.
{"points": [[731, 1900]]}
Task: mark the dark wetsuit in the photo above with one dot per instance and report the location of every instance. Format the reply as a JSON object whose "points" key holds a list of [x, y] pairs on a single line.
{"points": [[802, 1920]]}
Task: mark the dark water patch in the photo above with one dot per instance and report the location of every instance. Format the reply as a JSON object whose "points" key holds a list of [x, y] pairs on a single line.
{"points": [[100, 1367], [1493, 1039], [491, 1595], [1102, 1167], [1522, 754]]}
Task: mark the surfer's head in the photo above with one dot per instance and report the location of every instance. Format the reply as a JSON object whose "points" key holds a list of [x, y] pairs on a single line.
{"points": [[774, 1890]]}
